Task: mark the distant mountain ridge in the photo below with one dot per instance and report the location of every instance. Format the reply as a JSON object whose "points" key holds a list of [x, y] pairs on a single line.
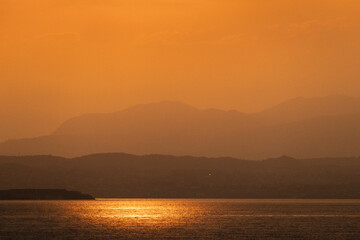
{"points": [[299, 109], [301, 127]]}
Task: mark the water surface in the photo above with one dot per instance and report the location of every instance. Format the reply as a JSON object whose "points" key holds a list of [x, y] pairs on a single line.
{"points": [[180, 219]]}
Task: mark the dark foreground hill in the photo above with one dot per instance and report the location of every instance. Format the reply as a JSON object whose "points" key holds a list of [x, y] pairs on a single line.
{"points": [[43, 194], [154, 176]]}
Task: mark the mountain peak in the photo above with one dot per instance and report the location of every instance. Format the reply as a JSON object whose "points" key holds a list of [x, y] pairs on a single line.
{"points": [[300, 108], [329, 99], [163, 106], [283, 161]]}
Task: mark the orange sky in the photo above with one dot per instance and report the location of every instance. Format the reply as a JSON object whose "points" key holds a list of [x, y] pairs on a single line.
{"points": [[62, 58]]}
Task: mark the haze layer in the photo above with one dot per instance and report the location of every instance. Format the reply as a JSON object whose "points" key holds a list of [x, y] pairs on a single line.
{"points": [[63, 58]]}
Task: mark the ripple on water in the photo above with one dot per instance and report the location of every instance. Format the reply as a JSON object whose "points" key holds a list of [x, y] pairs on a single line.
{"points": [[182, 219]]}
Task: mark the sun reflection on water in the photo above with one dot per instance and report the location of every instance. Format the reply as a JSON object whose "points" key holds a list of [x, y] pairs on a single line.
{"points": [[137, 213], [180, 219]]}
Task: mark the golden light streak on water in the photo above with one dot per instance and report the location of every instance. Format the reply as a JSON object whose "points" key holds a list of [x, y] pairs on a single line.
{"points": [[180, 219]]}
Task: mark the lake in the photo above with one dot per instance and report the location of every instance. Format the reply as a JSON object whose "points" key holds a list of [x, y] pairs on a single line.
{"points": [[180, 219]]}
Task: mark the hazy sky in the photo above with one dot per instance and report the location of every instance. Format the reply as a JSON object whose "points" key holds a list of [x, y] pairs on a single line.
{"points": [[62, 58]]}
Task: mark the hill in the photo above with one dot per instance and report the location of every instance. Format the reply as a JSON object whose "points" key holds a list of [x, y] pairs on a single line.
{"points": [[301, 127], [153, 176], [43, 194]]}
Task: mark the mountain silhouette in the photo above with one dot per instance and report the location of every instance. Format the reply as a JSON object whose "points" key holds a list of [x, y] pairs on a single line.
{"points": [[301, 127], [299, 109], [117, 175]]}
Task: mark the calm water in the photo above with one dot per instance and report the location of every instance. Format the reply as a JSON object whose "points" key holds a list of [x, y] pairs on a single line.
{"points": [[180, 219]]}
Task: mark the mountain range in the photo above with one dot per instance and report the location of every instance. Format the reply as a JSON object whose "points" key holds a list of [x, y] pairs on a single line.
{"points": [[301, 127], [121, 175]]}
